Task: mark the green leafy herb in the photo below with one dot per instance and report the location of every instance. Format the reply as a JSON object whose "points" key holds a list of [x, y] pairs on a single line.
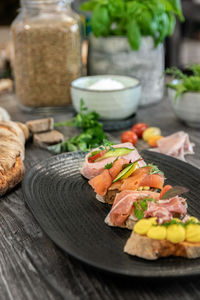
{"points": [[154, 170], [176, 222], [141, 206], [134, 18], [109, 165], [185, 83], [91, 135], [144, 203], [138, 212]]}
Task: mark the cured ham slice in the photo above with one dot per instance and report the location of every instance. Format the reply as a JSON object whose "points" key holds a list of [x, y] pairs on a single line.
{"points": [[176, 145], [90, 170], [167, 208], [123, 205], [164, 210]]}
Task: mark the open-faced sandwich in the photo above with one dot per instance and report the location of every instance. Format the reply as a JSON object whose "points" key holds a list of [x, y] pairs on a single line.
{"points": [[150, 240], [131, 206]]}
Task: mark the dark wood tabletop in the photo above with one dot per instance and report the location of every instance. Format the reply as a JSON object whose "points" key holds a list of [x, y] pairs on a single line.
{"points": [[32, 267]]}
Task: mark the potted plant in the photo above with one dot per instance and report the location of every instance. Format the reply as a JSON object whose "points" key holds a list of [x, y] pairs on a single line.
{"points": [[128, 39], [184, 95]]}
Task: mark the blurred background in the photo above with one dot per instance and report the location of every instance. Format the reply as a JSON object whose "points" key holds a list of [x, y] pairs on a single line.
{"points": [[183, 47]]}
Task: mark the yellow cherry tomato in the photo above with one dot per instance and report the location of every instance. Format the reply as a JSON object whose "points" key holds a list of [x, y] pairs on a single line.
{"points": [[175, 233], [193, 233], [152, 141], [157, 233], [142, 226], [151, 131], [193, 219]]}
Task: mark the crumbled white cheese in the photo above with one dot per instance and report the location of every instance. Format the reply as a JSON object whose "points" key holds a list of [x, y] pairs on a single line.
{"points": [[106, 84]]}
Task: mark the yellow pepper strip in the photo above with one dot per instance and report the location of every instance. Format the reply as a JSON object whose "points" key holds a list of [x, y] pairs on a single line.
{"points": [[193, 233], [134, 167], [157, 233], [175, 233]]}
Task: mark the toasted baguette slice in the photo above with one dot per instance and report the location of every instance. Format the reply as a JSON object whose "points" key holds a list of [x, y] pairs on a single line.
{"points": [[129, 223], [145, 247]]}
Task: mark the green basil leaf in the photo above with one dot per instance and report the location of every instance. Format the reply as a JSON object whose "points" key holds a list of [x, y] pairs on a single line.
{"points": [[100, 21], [138, 214], [134, 35], [176, 4], [146, 22], [116, 8], [144, 204], [172, 23]]}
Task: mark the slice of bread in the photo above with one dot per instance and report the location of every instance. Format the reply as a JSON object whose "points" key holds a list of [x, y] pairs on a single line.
{"points": [[12, 140], [145, 247]]}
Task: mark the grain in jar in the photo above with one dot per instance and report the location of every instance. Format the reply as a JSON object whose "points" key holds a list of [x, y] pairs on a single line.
{"points": [[47, 52]]}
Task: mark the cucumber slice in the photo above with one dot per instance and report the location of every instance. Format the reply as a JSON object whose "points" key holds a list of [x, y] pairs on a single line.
{"points": [[123, 172], [116, 152], [126, 172]]}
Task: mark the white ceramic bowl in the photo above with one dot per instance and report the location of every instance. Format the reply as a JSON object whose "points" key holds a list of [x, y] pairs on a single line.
{"points": [[109, 104], [186, 107]]}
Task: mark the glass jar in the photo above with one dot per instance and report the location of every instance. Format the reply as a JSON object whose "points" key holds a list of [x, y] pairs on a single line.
{"points": [[47, 52]]}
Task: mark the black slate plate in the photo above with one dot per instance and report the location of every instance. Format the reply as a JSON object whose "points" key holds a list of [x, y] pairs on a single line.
{"points": [[65, 207]]}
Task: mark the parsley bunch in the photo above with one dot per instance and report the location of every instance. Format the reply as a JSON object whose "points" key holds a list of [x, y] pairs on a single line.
{"points": [[91, 136], [185, 83], [134, 18]]}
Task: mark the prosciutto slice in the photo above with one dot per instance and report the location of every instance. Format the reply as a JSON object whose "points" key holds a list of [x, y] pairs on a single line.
{"points": [[123, 205], [90, 170], [176, 145], [164, 210], [167, 208]]}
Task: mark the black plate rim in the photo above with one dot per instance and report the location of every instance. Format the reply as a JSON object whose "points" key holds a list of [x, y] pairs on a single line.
{"points": [[27, 197]]}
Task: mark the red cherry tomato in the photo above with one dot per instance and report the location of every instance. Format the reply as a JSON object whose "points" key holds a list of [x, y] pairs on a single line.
{"points": [[139, 128], [91, 159], [129, 136]]}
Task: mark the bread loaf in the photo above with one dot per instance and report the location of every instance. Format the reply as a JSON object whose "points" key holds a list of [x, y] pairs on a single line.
{"points": [[12, 141]]}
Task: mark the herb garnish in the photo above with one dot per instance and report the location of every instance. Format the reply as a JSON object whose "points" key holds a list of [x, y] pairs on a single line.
{"points": [[109, 165], [172, 222], [91, 135], [141, 206], [185, 83], [154, 170]]}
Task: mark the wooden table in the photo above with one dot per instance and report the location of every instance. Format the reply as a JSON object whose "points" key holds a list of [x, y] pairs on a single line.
{"points": [[32, 267]]}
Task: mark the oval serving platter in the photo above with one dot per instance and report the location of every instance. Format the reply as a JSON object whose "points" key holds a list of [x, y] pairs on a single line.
{"points": [[65, 207]]}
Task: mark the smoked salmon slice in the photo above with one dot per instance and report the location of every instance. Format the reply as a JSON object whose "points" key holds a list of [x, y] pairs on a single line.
{"points": [[117, 167], [154, 180], [140, 177], [102, 182]]}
